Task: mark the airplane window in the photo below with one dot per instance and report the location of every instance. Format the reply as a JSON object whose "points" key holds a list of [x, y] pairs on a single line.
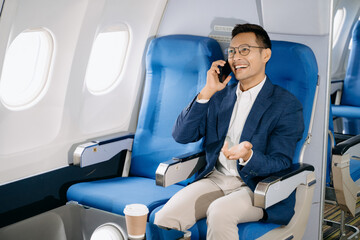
{"points": [[106, 61], [25, 69], [338, 24]]}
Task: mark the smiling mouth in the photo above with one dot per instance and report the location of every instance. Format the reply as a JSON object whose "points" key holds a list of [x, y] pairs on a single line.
{"points": [[240, 67]]}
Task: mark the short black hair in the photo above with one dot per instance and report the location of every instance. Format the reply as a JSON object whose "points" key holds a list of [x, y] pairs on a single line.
{"points": [[262, 38]]}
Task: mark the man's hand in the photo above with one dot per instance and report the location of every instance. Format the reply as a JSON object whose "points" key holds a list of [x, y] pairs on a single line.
{"points": [[213, 84], [242, 150]]}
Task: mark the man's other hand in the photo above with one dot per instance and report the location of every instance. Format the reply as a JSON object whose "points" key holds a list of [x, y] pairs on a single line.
{"points": [[242, 150]]}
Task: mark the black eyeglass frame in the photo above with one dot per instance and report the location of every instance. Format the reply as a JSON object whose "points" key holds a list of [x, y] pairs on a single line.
{"points": [[245, 47]]}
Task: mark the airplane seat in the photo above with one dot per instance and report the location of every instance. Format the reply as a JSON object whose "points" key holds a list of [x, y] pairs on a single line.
{"points": [[292, 66], [176, 68], [342, 178], [349, 107], [176, 72], [334, 140]]}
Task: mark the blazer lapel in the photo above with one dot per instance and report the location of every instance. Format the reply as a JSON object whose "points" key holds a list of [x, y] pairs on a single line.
{"points": [[225, 111], [261, 103]]}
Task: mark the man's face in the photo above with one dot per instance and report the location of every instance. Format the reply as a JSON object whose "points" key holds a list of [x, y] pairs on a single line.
{"points": [[249, 69]]}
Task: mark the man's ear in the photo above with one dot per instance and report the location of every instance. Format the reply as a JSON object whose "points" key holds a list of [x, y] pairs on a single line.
{"points": [[266, 54]]}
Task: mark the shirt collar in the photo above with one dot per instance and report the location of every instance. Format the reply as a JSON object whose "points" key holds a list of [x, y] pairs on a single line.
{"points": [[254, 91]]}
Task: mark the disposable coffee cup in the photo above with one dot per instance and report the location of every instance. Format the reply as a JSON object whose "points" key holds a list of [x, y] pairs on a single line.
{"points": [[136, 218]]}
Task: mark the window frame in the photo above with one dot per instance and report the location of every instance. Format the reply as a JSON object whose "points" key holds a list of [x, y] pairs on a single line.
{"points": [[90, 82], [7, 90]]}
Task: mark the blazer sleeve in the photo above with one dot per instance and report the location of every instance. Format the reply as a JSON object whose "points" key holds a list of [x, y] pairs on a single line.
{"points": [[191, 123]]}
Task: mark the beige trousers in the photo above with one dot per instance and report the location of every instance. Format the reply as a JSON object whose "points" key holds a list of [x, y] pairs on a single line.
{"points": [[225, 200]]}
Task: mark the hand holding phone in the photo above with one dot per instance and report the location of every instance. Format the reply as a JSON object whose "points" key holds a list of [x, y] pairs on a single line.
{"points": [[214, 85], [224, 72]]}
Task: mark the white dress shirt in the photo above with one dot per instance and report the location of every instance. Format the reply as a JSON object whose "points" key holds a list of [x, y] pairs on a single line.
{"points": [[242, 107]]}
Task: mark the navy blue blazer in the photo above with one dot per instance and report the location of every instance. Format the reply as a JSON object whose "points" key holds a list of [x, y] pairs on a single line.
{"points": [[274, 126]]}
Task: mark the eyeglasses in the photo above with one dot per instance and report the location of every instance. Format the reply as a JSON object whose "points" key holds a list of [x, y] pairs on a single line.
{"points": [[244, 50]]}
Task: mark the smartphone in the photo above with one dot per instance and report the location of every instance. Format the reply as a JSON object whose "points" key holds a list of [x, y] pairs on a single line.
{"points": [[224, 72]]}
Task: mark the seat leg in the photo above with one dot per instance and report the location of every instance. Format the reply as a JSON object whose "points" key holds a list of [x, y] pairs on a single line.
{"points": [[342, 225], [344, 228]]}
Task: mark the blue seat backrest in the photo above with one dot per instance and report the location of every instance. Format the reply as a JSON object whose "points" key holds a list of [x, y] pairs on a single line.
{"points": [[293, 66], [351, 88], [176, 68]]}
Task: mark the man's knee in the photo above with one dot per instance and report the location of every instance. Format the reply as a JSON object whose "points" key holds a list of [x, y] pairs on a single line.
{"points": [[161, 219], [168, 220], [216, 214]]}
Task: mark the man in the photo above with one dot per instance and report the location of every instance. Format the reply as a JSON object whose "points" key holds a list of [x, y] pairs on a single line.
{"points": [[251, 129]]}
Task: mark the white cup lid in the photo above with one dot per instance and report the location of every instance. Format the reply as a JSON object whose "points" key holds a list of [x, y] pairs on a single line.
{"points": [[108, 231], [136, 209]]}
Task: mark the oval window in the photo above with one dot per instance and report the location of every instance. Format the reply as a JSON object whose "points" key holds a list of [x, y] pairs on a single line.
{"points": [[26, 68], [338, 24], [106, 60]]}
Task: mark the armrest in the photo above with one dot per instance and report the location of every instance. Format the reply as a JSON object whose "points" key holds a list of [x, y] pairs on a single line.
{"points": [[340, 137], [351, 146], [179, 168], [345, 111], [346, 190], [102, 149], [279, 186]]}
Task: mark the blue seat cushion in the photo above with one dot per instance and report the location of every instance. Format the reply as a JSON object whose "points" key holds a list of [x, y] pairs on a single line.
{"points": [[163, 234], [248, 231], [114, 194], [355, 169], [253, 230]]}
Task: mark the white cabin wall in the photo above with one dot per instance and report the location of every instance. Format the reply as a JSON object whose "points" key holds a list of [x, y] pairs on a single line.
{"points": [[39, 139], [306, 22], [197, 17], [27, 131]]}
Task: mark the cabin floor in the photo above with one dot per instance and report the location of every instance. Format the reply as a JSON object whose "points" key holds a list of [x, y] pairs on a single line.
{"points": [[332, 212]]}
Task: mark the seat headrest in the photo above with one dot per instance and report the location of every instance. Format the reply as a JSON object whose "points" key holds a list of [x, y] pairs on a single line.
{"points": [[182, 51]]}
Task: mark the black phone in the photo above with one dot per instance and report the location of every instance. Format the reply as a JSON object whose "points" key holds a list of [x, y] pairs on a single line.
{"points": [[224, 72]]}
